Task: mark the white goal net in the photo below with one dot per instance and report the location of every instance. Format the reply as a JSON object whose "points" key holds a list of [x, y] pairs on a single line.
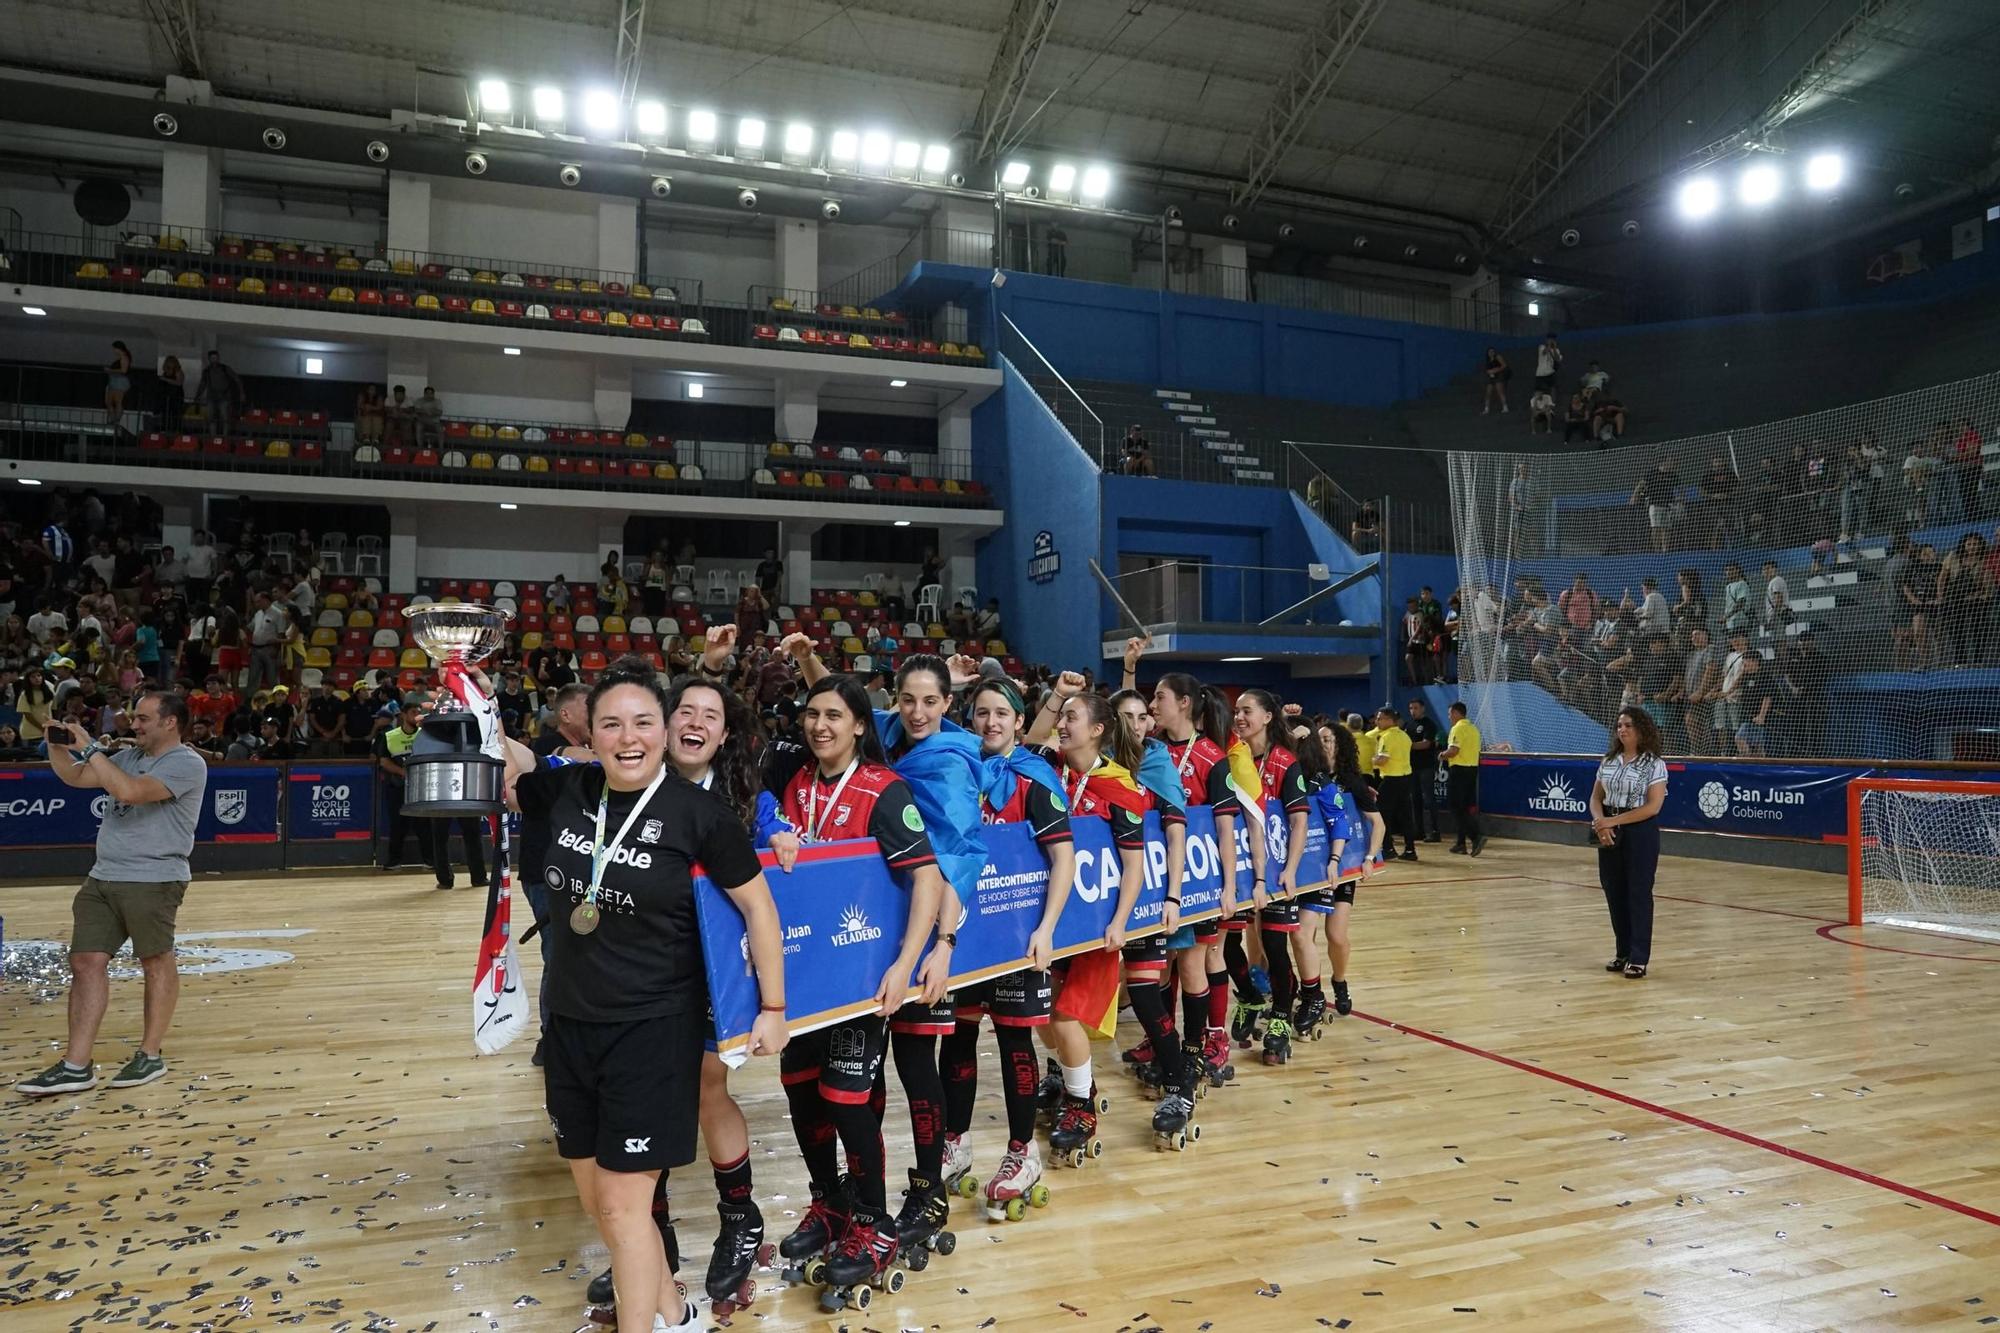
{"points": [[1926, 856]]}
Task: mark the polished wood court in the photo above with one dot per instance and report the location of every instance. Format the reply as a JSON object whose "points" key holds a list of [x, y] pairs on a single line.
{"points": [[1790, 1124]]}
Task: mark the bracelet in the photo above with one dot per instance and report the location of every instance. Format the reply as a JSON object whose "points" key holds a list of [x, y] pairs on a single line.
{"points": [[1174, 898], [948, 938], [777, 1008]]}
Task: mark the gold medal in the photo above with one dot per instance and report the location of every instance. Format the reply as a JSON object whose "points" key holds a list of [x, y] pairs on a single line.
{"points": [[584, 919]]}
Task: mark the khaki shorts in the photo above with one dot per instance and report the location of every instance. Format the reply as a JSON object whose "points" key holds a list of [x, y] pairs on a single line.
{"points": [[106, 913]]}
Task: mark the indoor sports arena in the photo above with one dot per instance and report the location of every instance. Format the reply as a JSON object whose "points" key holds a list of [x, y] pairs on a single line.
{"points": [[833, 664]]}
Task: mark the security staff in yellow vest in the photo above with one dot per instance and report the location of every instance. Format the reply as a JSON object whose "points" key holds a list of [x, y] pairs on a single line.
{"points": [[1461, 757], [392, 747], [1392, 768]]}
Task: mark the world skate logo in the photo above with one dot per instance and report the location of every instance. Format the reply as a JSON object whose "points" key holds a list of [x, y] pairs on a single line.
{"points": [[1557, 797], [1713, 798], [854, 928]]}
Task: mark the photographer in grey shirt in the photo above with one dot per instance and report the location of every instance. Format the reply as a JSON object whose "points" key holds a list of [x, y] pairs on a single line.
{"points": [[134, 890]]}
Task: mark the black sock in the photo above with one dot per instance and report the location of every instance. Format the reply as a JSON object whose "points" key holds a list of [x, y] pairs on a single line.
{"points": [[1194, 1011], [1022, 1079], [814, 1129], [1278, 962], [1236, 965], [861, 1135], [923, 1088], [1150, 1007], [732, 1180], [958, 1058]]}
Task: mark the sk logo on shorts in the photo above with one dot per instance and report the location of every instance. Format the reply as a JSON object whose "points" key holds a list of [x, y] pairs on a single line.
{"points": [[638, 1145]]}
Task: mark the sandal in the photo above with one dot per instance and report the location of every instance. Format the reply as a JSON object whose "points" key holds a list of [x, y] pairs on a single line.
{"points": [[1635, 971], [1615, 965]]}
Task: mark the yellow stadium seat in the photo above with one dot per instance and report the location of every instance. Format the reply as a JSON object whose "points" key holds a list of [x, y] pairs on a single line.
{"points": [[507, 433], [934, 631], [190, 279], [952, 487], [482, 306], [404, 266], [250, 287], [483, 276], [642, 291], [868, 599], [636, 440], [852, 645], [859, 340], [589, 285], [482, 462], [666, 472], [536, 463], [92, 269], [849, 312], [360, 619], [562, 285], [481, 431], [415, 659], [347, 264], [278, 449], [531, 641], [341, 296], [829, 614], [428, 302], [262, 254], [950, 349], [614, 625], [995, 648], [333, 601], [616, 319], [326, 637], [972, 353]]}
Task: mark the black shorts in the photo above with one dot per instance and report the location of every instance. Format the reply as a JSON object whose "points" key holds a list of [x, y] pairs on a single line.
{"points": [[626, 1094], [1345, 893], [1241, 921], [843, 1059], [934, 1020], [1545, 381], [1209, 931], [1148, 955], [1279, 914], [1018, 1000]]}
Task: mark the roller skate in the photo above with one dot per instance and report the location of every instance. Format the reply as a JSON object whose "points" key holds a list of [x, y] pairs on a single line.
{"points": [[1074, 1137], [1173, 1119], [807, 1249], [1049, 1096], [862, 1263], [1017, 1186], [1278, 1043], [1342, 1005], [1215, 1053], [958, 1166], [602, 1293], [1139, 1057], [1312, 1008], [739, 1246], [920, 1226], [1244, 1018]]}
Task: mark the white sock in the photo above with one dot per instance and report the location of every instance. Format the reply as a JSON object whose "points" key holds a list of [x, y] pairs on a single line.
{"points": [[1076, 1082]]}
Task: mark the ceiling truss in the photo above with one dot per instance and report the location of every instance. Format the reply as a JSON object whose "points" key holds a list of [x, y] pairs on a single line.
{"points": [[176, 21], [1021, 41], [1332, 41], [631, 45]]}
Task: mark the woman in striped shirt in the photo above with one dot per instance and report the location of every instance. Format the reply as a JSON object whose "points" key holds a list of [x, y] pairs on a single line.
{"points": [[1625, 804]]}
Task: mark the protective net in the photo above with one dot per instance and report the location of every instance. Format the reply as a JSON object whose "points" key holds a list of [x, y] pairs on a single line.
{"points": [[1822, 586], [1930, 858]]}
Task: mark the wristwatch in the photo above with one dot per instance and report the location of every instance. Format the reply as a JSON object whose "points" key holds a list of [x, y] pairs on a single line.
{"points": [[948, 938]]}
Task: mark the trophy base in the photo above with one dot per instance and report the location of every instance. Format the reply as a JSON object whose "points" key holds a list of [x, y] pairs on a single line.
{"points": [[439, 785]]}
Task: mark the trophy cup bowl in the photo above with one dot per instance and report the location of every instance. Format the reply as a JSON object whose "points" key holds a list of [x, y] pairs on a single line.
{"points": [[447, 771]]}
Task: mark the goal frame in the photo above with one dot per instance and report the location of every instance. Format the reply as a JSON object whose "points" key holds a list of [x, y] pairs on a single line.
{"points": [[1858, 787]]}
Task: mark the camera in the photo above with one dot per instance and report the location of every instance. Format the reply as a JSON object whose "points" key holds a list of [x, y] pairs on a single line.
{"points": [[1571, 236], [378, 151], [570, 174], [274, 138], [662, 187], [1631, 227], [165, 124], [830, 209], [475, 164], [746, 198]]}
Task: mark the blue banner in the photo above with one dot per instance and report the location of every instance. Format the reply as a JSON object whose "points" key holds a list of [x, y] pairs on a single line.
{"points": [[38, 810], [1797, 802], [844, 914], [329, 802]]}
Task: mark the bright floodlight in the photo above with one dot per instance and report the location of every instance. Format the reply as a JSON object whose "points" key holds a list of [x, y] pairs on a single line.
{"points": [[844, 146], [750, 134], [1014, 175], [494, 96], [1758, 185], [875, 149], [936, 158], [908, 154], [548, 103], [701, 129], [1534, 308], [798, 140], [1699, 198], [1096, 182], [650, 119], [1062, 178], [1825, 171], [600, 111]]}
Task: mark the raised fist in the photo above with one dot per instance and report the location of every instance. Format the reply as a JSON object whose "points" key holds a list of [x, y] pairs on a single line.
{"points": [[796, 645], [1070, 684]]}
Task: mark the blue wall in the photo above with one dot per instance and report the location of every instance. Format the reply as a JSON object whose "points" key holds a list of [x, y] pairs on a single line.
{"points": [[1044, 483], [1092, 330]]}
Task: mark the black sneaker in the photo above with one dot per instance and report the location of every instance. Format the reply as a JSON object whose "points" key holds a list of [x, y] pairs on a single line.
{"points": [[536, 1058], [140, 1070], [59, 1077], [1479, 844], [1457, 849], [1409, 855]]}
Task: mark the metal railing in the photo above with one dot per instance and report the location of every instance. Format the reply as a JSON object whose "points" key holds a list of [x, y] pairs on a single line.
{"points": [[1198, 591], [1076, 415]]}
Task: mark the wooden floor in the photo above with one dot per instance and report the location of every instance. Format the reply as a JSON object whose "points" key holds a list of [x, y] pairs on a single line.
{"points": [[1785, 1127]]}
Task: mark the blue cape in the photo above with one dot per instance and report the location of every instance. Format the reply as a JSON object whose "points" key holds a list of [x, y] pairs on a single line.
{"points": [[1158, 775], [945, 773], [1004, 771]]}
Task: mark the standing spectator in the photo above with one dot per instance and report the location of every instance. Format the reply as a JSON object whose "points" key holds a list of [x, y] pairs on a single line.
{"points": [[398, 417], [267, 634], [894, 596], [655, 583], [1594, 382], [1058, 252], [173, 393], [1965, 602], [1659, 491], [1653, 616], [1696, 690], [326, 715], [1625, 802], [1576, 421], [232, 649], [201, 562], [221, 395], [1735, 598], [1967, 464], [273, 745], [1548, 360], [48, 626], [1692, 608], [1920, 468], [1461, 756], [770, 572], [752, 613], [117, 383], [558, 596], [1541, 412], [370, 415], [1521, 512], [1423, 731], [1416, 644], [1860, 484], [1917, 648], [358, 722], [146, 646], [1579, 604], [1137, 458], [1365, 533], [427, 414], [1496, 372], [1754, 702], [57, 548], [1777, 598]]}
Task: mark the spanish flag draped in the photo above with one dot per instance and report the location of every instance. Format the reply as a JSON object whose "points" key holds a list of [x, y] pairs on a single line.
{"points": [[1247, 776], [1090, 987]]}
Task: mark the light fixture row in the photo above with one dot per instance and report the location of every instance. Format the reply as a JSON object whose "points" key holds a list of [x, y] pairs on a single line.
{"points": [[1065, 181], [1760, 184]]}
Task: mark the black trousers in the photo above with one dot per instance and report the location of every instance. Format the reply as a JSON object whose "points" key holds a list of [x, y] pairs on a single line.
{"points": [[1396, 816], [471, 832], [1464, 794], [1626, 870], [1424, 801]]}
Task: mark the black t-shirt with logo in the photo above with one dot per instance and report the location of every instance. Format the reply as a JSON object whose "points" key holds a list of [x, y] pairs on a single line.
{"points": [[644, 960], [1423, 729]]}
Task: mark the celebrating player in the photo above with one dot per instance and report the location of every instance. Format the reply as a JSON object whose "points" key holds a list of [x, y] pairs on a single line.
{"points": [[1258, 715]]}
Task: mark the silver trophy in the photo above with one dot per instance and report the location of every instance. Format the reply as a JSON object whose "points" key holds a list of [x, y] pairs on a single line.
{"points": [[454, 765]]}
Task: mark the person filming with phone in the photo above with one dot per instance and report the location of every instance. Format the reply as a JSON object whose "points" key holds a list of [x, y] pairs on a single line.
{"points": [[155, 786]]}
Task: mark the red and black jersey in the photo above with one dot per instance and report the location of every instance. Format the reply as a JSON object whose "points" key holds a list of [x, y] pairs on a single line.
{"points": [[1104, 794], [875, 803], [1034, 805], [1285, 780], [1204, 770]]}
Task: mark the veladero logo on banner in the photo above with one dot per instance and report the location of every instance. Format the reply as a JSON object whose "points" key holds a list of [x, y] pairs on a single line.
{"points": [[1557, 797]]}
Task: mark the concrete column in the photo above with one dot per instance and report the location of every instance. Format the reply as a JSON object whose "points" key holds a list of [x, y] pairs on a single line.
{"points": [[177, 524], [798, 557], [959, 568], [410, 215], [796, 398], [403, 528], [618, 238], [955, 442], [612, 394], [1226, 268], [190, 188], [798, 256], [961, 233]]}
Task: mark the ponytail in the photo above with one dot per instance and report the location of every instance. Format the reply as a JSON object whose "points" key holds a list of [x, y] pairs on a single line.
{"points": [[1121, 744]]}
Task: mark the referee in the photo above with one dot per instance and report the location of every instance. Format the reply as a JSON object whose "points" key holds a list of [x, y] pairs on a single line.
{"points": [[1392, 766], [134, 889], [1461, 757]]}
